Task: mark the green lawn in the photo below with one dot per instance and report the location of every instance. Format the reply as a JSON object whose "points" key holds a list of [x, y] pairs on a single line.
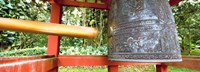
{"points": [[176, 69], [122, 69]]}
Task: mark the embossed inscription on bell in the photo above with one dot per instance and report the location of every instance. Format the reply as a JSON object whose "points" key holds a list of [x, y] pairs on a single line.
{"points": [[142, 31]]}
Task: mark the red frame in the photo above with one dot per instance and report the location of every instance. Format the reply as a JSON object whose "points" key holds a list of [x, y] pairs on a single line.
{"points": [[51, 61], [53, 43]]}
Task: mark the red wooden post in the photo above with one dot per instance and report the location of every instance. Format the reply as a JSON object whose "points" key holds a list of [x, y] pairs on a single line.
{"points": [[112, 68], [54, 41], [174, 2], [161, 68]]}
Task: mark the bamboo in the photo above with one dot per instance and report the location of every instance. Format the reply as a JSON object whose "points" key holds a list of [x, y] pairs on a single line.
{"points": [[47, 28]]}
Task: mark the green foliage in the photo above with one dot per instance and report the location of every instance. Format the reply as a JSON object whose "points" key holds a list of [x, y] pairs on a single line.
{"points": [[85, 17], [88, 50], [22, 9], [83, 69], [69, 50], [24, 52], [176, 69], [194, 52], [7, 38], [131, 69], [38, 11], [187, 17]]}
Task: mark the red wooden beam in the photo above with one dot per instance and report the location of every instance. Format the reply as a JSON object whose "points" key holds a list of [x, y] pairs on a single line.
{"points": [[38, 65], [83, 4], [113, 68], [161, 68], [95, 5], [54, 41], [95, 60], [4, 60], [174, 2], [73, 60], [188, 62]]}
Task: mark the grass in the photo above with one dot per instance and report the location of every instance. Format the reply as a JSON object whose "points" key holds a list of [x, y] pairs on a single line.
{"points": [[83, 69], [176, 69], [195, 52], [122, 69]]}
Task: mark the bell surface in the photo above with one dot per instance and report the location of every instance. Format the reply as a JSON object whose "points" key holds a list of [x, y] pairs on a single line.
{"points": [[142, 31]]}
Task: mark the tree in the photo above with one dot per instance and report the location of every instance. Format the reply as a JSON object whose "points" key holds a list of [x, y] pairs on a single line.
{"points": [[187, 17], [21, 9]]}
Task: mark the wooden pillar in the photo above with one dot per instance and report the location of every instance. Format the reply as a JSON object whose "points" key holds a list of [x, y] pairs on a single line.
{"points": [[113, 68], [161, 68], [174, 2], [54, 41]]}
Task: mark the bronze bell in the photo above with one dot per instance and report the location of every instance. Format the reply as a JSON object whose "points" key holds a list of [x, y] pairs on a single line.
{"points": [[142, 31]]}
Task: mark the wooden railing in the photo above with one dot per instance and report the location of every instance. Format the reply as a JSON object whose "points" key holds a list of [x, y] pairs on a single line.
{"points": [[49, 62], [191, 62]]}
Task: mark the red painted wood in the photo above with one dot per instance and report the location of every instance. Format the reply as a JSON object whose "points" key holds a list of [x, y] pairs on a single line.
{"points": [[82, 60], [96, 5], [37, 65], [174, 2], [54, 69], [92, 60], [190, 62], [54, 41], [113, 68], [83, 4], [161, 68], [4, 60]]}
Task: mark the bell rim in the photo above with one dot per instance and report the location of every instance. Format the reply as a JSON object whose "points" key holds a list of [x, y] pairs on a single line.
{"points": [[143, 60]]}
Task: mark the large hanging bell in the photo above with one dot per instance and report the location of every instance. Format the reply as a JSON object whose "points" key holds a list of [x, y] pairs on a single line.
{"points": [[142, 31]]}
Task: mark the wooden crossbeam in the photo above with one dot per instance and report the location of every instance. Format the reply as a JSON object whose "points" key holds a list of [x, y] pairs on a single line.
{"points": [[4, 60], [47, 28], [104, 5], [36, 65], [190, 62], [74, 3], [96, 60]]}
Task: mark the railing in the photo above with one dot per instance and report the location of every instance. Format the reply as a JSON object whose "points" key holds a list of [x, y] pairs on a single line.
{"points": [[97, 4], [49, 62]]}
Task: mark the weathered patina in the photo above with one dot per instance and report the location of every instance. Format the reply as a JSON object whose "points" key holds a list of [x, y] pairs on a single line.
{"points": [[142, 31]]}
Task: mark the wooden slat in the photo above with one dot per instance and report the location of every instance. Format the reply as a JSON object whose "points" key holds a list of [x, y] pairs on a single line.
{"points": [[188, 62], [47, 28], [73, 60], [90, 60], [83, 4], [38, 65], [95, 5], [4, 60]]}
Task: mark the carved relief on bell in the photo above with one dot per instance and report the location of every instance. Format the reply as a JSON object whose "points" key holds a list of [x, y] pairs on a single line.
{"points": [[142, 31]]}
